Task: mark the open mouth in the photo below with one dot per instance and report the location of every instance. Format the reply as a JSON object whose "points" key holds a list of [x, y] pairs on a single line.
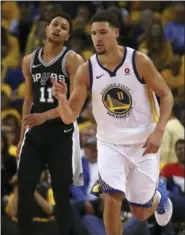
{"points": [[99, 46], [56, 34]]}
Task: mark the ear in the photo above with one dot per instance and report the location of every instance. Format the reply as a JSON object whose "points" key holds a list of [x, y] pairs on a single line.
{"points": [[117, 32], [46, 30], [67, 37]]}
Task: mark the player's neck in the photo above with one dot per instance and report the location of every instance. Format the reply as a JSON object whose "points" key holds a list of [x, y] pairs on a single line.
{"points": [[113, 56], [52, 49]]}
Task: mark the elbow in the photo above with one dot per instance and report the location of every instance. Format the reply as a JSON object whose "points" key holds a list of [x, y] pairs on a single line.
{"points": [[67, 121], [50, 210], [171, 97]]}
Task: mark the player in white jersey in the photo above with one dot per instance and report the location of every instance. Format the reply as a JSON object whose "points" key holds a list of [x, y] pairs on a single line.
{"points": [[130, 129]]}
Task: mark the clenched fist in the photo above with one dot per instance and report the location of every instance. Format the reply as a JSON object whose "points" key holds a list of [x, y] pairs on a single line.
{"points": [[59, 89]]}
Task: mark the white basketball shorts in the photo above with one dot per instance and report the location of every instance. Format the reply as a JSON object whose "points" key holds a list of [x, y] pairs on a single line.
{"points": [[124, 168]]}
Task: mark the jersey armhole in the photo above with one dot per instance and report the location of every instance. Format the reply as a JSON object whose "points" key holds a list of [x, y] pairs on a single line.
{"points": [[135, 69], [64, 63], [90, 75], [32, 59]]}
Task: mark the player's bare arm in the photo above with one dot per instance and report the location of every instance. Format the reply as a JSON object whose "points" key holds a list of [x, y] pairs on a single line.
{"points": [[73, 61], [28, 94], [70, 109], [156, 83]]}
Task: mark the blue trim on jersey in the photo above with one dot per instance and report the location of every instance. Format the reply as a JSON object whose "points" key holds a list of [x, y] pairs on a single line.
{"points": [[147, 205], [105, 188], [112, 191], [91, 75], [113, 73], [135, 69]]}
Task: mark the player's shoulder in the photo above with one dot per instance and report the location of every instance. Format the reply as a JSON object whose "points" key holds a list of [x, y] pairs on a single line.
{"points": [[141, 57], [83, 71], [27, 58], [73, 56]]}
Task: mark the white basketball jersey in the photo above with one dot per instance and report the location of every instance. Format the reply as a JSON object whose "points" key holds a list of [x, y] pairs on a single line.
{"points": [[125, 110]]}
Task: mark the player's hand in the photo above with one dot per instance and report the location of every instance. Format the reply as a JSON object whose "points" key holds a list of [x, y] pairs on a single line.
{"points": [[34, 119], [153, 142], [59, 89]]}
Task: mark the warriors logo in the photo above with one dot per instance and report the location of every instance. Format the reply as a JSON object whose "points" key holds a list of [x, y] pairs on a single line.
{"points": [[117, 100]]}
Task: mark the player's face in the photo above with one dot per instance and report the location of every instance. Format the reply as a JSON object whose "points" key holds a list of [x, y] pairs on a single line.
{"points": [[180, 149], [58, 30], [103, 36]]}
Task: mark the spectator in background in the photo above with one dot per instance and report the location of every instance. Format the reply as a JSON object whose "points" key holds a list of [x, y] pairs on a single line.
{"points": [[80, 43], [8, 166], [6, 93], [145, 23], [14, 76], [174, 77], [84, 201], [87, 116], [85, 131], [13, 123], [83, 14], [174, 130], [11, 119], [43, 210], [10, 15], [36, 35], [123, 32], [174, 30], [4, 49], [5, 96], [174, 174], [10, 52], [133, 226], [28, 14], [157, 47]]}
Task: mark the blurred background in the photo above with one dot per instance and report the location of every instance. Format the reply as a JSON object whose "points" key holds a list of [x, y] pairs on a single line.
{"points": [[154, 28]]}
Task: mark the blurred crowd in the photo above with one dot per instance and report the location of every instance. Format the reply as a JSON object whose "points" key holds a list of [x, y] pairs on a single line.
{"points": [[154, 28]]}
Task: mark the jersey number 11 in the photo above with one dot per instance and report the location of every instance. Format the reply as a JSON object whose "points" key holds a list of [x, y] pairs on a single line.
{"points": [[46, 95]]}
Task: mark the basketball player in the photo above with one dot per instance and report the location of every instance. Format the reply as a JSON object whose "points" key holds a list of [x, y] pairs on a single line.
{"points": [[45, 139], [123, 82]]}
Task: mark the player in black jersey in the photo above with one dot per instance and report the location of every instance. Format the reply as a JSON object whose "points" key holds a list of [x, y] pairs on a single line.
{"points": [[45, 139]]}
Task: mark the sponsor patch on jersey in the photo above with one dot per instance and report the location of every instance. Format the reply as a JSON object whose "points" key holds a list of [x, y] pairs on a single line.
{"points": [[117, 100]]}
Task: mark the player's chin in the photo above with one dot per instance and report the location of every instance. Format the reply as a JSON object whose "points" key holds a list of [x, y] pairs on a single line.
{"points": [[100, 52], [56, 40]]}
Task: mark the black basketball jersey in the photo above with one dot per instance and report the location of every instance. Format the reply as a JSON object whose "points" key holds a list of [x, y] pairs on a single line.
{"points": [[41, 73]]}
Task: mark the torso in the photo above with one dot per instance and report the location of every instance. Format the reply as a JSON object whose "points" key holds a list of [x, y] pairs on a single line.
{"points": [[124, 109], [41, 72]]}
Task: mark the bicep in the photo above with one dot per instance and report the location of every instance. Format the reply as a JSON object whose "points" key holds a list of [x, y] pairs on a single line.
{"points": [[151, 76], [72, 68]]}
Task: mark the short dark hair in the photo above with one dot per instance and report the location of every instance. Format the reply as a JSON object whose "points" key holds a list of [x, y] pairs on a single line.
{"points": [[65, 16], [179, 141], [106, 16]]}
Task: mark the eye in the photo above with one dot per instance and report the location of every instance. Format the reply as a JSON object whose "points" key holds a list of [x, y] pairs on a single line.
{"points": [[103, 32], [93, 33], [63, 27], [55, 24]]}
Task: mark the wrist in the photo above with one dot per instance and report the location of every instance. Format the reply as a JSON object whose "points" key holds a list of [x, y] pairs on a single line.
{"points": [[46, 116], [160, 130]]}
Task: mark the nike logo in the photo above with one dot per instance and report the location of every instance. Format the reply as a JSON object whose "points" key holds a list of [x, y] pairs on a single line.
{"points": [[35, 66], [65, 131], [99, 76]]}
